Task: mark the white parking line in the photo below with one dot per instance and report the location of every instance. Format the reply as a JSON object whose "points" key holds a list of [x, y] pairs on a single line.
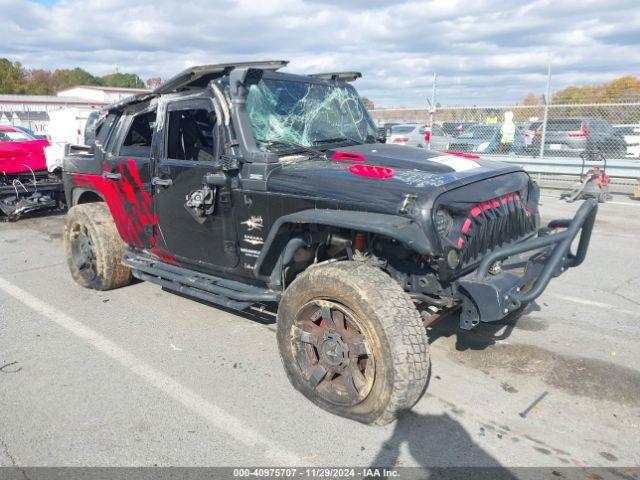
{"points": [[215, 415], [591, 303]]}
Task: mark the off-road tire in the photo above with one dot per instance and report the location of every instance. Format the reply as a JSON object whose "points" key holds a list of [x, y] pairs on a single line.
{"points": [[108, 248], [397, 336]]}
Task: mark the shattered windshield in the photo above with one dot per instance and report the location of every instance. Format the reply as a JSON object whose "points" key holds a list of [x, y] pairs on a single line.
{"points": [[285, 114]]}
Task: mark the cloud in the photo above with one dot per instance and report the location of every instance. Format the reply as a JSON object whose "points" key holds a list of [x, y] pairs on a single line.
{"points": [[484, 52]]}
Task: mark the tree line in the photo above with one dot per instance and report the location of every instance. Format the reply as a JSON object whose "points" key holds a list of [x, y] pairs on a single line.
{"points": [[15, 79], [621, 90]]}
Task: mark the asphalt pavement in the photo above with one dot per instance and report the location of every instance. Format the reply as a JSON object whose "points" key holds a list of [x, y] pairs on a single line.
{"points": [[142, 377]]}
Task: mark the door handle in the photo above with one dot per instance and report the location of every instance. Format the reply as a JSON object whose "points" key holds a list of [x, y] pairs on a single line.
{"points": [[162, 182], [111, 175]]}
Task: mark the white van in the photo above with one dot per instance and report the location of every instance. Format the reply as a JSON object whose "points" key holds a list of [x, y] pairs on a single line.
{"points": [[66, 126]]}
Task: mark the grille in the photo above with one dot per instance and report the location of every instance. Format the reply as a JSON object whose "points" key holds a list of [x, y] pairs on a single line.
{"points": [[492, 224]]}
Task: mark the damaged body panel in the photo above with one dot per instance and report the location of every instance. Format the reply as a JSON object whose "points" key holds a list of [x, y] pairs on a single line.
{"points": [[26, 186]]}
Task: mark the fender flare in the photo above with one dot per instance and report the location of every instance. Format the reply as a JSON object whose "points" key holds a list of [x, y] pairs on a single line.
{"points": [[77, 192], [402, 229]]}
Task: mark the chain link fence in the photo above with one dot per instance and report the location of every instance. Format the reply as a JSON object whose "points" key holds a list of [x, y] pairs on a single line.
{"points": [[555, 130]]}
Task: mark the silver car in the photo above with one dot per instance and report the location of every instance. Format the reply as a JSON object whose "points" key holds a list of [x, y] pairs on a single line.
{"points": [[412, 134]]}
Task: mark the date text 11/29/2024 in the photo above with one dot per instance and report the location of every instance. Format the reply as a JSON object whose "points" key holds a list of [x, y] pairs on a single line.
{"points": [[316, 472]]}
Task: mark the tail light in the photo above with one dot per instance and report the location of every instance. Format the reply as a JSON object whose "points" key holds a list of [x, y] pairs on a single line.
{"points": [[401, 139], [583, 132], [427, 133]]}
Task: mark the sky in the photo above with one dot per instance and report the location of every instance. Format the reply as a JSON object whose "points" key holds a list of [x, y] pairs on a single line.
{"points": [[485, 52]]}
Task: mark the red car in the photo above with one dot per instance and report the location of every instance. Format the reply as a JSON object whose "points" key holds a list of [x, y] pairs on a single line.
{"points": [[19, 152]]}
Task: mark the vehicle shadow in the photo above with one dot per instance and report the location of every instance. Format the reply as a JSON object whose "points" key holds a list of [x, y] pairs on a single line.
{"points": [[265, 314], [436, 442], [483, 335]]}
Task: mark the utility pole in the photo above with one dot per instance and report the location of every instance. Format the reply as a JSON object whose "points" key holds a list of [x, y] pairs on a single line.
{"points": [[432, 110], [546, 112]]}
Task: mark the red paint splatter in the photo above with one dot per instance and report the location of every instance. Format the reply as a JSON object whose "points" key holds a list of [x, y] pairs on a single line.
{"points": [[130, 206]]}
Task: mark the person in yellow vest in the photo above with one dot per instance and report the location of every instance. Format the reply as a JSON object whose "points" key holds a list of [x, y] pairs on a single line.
{"points": [[492, 119], [507, 133]]}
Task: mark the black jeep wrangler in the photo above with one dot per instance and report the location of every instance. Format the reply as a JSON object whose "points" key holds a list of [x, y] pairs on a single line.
{"points": [[247, 187]]}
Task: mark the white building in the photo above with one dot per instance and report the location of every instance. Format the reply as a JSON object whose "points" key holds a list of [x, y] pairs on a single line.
{"points": [[31, 111], [100, 94]]}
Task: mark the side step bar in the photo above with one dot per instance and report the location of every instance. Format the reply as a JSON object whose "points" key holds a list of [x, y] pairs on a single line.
{"points": [[221, 291]]}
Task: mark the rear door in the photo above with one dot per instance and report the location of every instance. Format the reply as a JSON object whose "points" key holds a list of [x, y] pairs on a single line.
{"points": [[126, 175], [190, 151]]}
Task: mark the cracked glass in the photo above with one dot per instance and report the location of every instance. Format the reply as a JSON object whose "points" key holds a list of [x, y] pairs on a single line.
{"points": [[288, 114]]}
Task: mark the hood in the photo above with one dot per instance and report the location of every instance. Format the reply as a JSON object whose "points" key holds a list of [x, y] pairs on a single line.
{"points": [[347, 180]]}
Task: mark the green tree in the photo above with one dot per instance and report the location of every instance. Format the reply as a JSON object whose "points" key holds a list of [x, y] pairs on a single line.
{"points": [[66, 78], [11, 76], [123, 80]]}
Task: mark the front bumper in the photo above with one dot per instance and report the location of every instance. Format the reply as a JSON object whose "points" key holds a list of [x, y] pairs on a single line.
{"points": [[512, 276]]}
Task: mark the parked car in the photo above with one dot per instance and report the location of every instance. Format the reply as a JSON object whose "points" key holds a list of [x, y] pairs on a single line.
{"points": [[481, 138], [31, 133], [20, 152], [66, 127], [269, 189], [387, 128], [530, 130], [402, 133], [454, 129], [413, 135], [25, 184], [631, 135], [572, 136]]}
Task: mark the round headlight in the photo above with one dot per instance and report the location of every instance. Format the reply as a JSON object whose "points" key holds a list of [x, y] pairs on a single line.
{"points": [[444, 222]]}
